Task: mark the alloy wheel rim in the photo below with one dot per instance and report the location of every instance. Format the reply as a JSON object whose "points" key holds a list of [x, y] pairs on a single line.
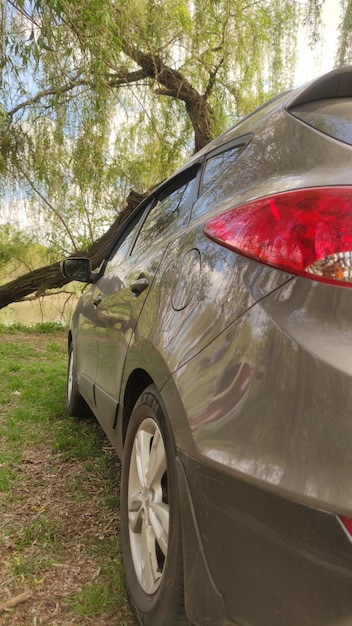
{"points": [[148, 506]]}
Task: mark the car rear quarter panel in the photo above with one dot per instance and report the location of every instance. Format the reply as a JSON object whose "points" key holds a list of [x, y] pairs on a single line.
{"points": [[271, 398]]}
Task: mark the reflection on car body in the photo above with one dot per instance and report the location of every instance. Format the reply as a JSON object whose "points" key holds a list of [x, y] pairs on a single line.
{"points": [[214, 347]]}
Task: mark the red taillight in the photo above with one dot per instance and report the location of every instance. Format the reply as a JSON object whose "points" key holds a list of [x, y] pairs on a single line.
{"points": [[306, 232], [347, 522]]}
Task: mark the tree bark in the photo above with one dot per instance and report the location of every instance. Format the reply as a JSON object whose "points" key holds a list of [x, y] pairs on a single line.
{"points": [[50, 276], [174, 85]]}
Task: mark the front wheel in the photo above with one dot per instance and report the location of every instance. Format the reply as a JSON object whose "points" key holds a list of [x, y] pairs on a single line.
{"points": [[150, 516]]}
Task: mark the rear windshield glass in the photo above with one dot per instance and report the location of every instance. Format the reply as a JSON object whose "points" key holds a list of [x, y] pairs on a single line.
{"points": [[332, 117]]}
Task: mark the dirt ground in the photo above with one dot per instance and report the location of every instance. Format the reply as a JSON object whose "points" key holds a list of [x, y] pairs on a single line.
{"points": [[51, 526]]}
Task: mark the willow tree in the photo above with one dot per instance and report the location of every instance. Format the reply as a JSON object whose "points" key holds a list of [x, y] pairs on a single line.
{"points": [[101, 97], [344, 50]]}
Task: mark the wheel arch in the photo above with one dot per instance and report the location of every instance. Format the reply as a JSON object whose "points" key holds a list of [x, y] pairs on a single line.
{"points": [[138, 380], [145, 365]]}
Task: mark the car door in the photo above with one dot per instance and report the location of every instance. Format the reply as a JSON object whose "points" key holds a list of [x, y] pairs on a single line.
{"points": [[128, 277], [86, 344]]}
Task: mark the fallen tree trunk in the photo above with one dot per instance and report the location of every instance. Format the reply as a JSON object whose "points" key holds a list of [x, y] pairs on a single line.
{"points": [[41, 280]]}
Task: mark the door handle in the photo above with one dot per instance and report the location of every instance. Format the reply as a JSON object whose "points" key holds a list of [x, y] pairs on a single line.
{"points": [[97, 301], [139, 285]]}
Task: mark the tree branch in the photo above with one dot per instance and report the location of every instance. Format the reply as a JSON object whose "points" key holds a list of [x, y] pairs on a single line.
{"points": [[175, 85], [48, 92], [122, 78], [212, 78], [50, 276]]}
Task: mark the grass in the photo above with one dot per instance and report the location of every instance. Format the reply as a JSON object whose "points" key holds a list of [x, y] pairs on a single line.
{"points": [[59, 494]]}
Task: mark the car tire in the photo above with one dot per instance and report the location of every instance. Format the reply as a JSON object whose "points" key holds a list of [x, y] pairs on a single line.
{"points": [[76, 405], [150, 516]]}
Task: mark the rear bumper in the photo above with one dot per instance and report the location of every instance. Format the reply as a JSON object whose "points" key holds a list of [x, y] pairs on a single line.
{"points": [[275, 561]]}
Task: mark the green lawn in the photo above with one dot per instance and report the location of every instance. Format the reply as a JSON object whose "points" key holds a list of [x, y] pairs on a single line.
{"points": [[59, 495]]}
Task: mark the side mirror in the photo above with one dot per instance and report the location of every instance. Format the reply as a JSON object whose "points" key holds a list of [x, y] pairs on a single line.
{"points": [[78, 268]]}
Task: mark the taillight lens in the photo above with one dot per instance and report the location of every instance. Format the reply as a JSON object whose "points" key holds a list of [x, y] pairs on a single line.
{"points": [[306, 232], [347, 522]]}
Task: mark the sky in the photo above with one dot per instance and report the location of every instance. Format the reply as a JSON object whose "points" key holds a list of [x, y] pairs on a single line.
{"points": [[312, 64]]}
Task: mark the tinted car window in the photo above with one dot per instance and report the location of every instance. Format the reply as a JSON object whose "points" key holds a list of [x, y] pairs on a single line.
{"points": [[167, 214], [124, 244], [216, 165], [225, 168]]}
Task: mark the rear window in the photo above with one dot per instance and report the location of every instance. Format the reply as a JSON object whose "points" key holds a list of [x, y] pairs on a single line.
{"points": [[332, 117]]}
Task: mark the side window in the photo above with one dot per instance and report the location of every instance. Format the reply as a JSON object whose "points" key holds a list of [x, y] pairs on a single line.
{"points": [[168, 212], [216, 165], [123, 245]]}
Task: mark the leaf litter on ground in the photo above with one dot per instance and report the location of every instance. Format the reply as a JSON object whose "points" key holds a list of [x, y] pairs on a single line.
{"points": [[59, 482]]}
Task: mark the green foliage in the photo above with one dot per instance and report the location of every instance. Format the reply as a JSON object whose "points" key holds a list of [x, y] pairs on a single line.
{"points": [[18, 253], [40, 328], [14, 245], [86, 113], [312, 19], [344, 51]]}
